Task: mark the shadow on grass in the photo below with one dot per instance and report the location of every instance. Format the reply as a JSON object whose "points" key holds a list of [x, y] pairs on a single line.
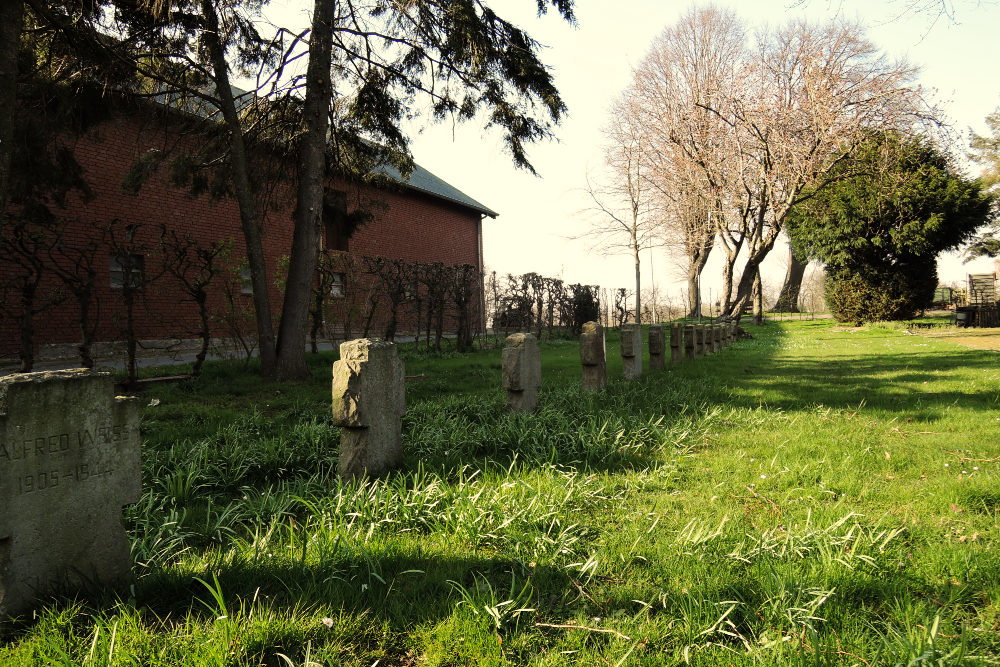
{"points": [[370, 604], [877, 380]]}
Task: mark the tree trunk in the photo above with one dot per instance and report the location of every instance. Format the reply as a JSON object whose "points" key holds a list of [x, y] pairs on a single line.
{"points": [[758, 299], [27, 326], [11, 21], [291, 358], [638, 283], [83, 298], [206, 333], [788, 299], [131, 368], [316, 318], [245, 197], [727, 285]]}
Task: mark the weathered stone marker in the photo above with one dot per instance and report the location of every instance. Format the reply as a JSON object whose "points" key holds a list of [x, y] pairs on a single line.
{"points": [[657, 348], [699, 340], [69, 461], [593, 357], [676, 343], [689, 346], [522, 372], [717, 337], [369, 401], [631, 351]]}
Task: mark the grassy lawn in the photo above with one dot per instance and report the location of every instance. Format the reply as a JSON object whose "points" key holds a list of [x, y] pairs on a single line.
{"points": [[818, 495]]}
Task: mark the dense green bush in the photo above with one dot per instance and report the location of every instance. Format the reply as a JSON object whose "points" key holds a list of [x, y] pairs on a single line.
{"points": [[881, 295]]}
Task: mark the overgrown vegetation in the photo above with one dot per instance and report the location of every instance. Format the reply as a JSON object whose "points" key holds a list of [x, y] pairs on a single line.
{"points": [[816, 495]]}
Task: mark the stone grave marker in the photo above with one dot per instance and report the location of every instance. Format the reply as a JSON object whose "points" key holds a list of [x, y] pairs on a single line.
{"points": [[689, 345], [631, 351], [699, 340], [69, 461], [522, 372], [593, 357], [369, 401], [717, 337], [657, 348], [676, 343]]}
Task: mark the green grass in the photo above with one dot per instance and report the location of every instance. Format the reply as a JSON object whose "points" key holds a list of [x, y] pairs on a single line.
{"points": [[814, 496]]}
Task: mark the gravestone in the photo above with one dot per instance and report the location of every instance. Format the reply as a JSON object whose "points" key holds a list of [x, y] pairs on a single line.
{"points": [[689, 346], [369, 401], [631, 351], [69, 461], [676, 343], [699, 340], [657, 348], [593, 357], [717, 337], [522, 372]]}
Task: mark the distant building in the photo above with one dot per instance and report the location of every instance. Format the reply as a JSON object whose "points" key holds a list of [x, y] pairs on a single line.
{"points": [[423, 219]]}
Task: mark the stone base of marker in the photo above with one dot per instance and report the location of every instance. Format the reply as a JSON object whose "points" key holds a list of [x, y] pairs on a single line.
{"points": [[69, 461], [676, 343], [657, 348], [690, 351], [593, 357], [522, 372], [631, 335], [369, 401]]}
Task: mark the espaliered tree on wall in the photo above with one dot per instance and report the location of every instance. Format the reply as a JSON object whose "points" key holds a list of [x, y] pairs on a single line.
{"points": [[512, 306], [894, 206]]}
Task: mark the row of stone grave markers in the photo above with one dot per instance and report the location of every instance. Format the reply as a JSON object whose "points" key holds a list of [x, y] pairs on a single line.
{"points": [[522, 360], [70, 449]]}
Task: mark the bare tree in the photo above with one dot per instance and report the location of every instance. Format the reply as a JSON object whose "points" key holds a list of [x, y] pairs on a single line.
{"points": [[810, 95], [622, 217], [194, 266], [691, 68]]}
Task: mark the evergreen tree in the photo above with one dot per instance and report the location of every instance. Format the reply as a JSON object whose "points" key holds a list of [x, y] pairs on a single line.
{"points": [[879, 226]]}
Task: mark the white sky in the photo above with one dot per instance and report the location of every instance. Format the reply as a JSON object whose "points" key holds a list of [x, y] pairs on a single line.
{"points": [[592, 64]]}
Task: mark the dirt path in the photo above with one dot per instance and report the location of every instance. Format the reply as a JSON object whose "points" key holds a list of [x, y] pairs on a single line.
{"points": [[982, 339]]}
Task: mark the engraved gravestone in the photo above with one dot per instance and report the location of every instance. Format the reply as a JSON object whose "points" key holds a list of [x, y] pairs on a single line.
{"points": [[631, 335], [593, 357], [369, 401], [657, 348], [676, 343], [521, 372], [69, 461]]}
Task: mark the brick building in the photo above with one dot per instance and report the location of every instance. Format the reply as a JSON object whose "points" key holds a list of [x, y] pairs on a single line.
{"points": [[417, 219]]}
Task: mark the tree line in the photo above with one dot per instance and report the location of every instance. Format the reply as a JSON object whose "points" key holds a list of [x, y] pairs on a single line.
{"points": [[726, 141]]}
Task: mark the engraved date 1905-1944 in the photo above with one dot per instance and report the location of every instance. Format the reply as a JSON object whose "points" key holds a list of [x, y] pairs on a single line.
{"points": [[41, 481]]}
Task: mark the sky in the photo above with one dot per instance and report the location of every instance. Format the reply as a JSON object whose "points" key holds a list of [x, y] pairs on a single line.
{"points": [[592, 63]]}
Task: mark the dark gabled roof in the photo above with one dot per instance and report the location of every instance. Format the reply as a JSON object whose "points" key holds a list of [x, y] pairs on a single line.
{"points": [[424, 181], [420, 179]]}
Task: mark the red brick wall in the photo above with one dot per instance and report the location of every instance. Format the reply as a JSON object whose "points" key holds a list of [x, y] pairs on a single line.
{"points": [[407, 225]]}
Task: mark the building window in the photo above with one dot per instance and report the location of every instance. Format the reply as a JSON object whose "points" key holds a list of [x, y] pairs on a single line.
{"points": [[133, 266], [338, 285], [246, 281]]}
